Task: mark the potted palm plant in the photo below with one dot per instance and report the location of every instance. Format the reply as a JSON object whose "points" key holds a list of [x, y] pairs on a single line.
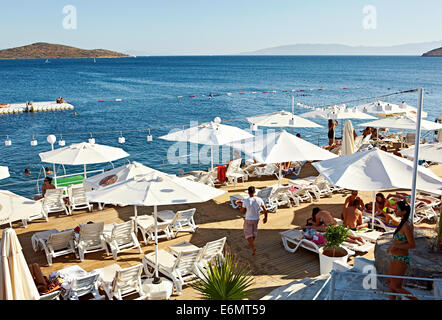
{"points": [[226, 279], [332, 250]]}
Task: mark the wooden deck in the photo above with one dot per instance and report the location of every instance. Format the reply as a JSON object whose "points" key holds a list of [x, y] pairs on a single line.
{"points": [[271, 267]]}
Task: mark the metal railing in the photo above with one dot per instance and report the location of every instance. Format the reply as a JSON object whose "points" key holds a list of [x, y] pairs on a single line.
{"points": [[352, 274]]}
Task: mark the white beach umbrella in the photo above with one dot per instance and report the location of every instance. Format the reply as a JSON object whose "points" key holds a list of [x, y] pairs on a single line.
{"points": [[16, 282], [282, 119], [336, 113], [430, 152], [14, 207], [213, 134], [116, 175], [348, 139], [4, 172], [155, 189], [82, 154], [402, 122], [280, 147], [386, 109], [375, 170]]}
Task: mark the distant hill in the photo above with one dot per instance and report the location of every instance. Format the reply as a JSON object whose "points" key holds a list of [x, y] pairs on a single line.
{"points": [[413, 49], [433, 53], [42, 50]]}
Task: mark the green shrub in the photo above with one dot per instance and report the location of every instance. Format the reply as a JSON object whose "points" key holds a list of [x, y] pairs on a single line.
{"points": [[335, 235], [225, 280]]}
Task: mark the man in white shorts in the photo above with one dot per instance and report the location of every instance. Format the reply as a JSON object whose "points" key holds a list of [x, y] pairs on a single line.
{"points": [[252, 207]]}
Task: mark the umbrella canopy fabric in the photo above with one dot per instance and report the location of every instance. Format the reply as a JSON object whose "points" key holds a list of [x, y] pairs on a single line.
{"points": [[376, 170], [348, 139], [213, 134], [336, 113], [281, 147], [282, 119], [386, 109], [154, 189], [430, 152], [4, 172], [16, 282], [402, 122], [14, 207], [118, 174], [82, 154]]}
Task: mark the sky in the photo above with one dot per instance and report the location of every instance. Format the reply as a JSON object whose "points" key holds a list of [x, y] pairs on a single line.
{"points": [[205, 27]]}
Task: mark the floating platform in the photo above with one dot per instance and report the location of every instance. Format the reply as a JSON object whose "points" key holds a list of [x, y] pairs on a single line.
{"points": [[34, 107]]}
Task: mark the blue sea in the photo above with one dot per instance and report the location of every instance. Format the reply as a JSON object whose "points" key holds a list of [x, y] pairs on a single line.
{"points": [[162, 93]]}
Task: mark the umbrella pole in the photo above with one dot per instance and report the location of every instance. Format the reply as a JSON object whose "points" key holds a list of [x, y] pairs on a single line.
{"points": [[416, 153], [280, 174], [84, 169], [211, 157], [373, 209], [156, 279], [135, 211]]}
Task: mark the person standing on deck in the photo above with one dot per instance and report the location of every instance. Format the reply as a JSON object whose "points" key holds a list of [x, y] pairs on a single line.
{"points": [[252, 208]]}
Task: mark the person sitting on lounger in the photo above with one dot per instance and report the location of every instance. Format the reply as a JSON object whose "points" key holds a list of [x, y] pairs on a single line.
{"points": [[350, 199], [47, 184], [321, 219], [353, 216], [382, 205]]}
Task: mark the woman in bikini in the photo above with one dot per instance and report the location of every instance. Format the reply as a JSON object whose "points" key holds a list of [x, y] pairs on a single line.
{"points": [[403, 241], [331, 131]]}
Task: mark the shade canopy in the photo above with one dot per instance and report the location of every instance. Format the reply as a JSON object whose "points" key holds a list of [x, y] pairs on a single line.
{"points": [[116, 175], [282, 119], [213, 133], [4, 172], [16, 282], [376, 170], [387, 109], [402, 122], [154, 189], [280, 147], [82, 154], [14, 207], [336, 113], [348, 139], [430, 152]]}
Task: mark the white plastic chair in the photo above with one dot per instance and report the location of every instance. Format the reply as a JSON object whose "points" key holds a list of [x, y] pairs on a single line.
{"points": [[126, 282], [59, 244], [181, 269], [266, 195], [91, 239], [181, 221], [121, 237], [85, 285], [78, 199], [279, 196], [53, 201]]}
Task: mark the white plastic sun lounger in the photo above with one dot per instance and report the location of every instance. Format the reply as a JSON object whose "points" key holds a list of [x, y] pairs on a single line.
{"points": [[296, 238]]}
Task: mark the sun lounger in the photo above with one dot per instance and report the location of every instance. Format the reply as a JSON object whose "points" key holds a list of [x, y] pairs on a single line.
{"points": [[121, 237], [78, 199], [296, 238], [83, 286], [182, 269], [268, 170], [126, 282], [212, 250], [56, 244], [91, 239], [53, 201], [181, 221], [234, 172]]}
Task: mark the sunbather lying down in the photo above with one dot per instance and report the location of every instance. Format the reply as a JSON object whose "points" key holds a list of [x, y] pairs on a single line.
{"points": [[390, 219], [321, 219]]}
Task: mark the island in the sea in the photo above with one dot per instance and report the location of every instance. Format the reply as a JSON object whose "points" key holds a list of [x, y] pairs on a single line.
{"points": [[433, 53], [42, 50]]}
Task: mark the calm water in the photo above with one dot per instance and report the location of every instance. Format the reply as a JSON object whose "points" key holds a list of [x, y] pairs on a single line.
{"points": [[148, 80]]}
